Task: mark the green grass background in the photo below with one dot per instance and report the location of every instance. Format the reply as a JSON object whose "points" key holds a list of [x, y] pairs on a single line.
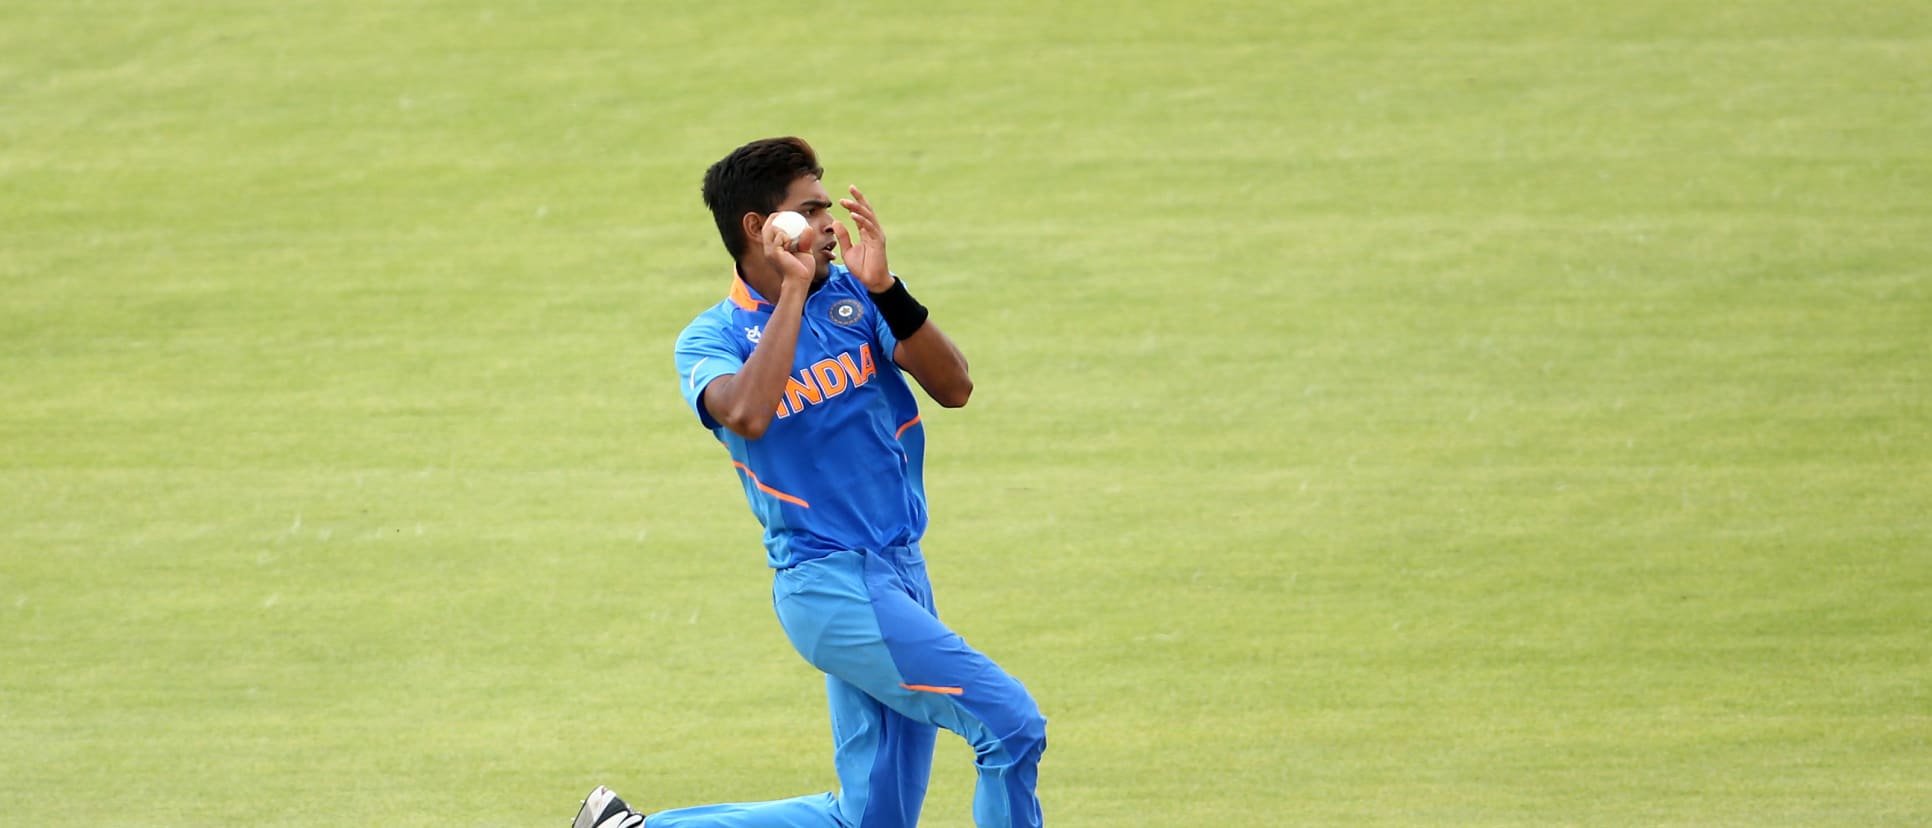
{"points": [[1394, 413]]}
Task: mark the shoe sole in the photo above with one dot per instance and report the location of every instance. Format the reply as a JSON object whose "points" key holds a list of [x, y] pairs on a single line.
{"points": [[594, 805]]}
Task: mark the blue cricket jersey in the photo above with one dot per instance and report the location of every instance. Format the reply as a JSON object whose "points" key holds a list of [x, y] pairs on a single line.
{"points": [[841, 465]]}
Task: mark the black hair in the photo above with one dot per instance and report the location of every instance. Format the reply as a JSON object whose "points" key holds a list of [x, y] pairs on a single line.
{"points": [[753, 179]]}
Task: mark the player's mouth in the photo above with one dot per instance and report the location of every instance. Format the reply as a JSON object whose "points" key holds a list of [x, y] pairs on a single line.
{"points": [[830, 250]]}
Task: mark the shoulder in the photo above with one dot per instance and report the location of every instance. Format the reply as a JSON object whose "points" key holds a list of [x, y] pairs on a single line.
{"points": [[717, 316], [714, 324]]}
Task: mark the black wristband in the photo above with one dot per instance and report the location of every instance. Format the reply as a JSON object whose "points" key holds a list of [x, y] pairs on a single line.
{"points": [[902, 313]]}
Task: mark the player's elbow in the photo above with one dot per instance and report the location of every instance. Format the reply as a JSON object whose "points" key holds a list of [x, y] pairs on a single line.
{"points": [[746, 424], [748, 431], [956, 393]]}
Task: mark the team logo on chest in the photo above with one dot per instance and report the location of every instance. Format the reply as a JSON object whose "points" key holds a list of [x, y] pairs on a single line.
{"points": [[847, 311]]}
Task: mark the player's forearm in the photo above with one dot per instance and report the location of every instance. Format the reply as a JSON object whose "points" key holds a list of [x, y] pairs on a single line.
{"points": [[932, 359], [746, 402], [923, 350]]}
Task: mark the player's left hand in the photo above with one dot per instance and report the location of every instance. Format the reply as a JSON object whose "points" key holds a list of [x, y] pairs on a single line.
{"points": [[867, 258]]}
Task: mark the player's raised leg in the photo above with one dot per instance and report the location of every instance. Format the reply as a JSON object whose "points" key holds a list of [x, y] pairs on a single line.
{"points": [[947, 682], [867, 618]]}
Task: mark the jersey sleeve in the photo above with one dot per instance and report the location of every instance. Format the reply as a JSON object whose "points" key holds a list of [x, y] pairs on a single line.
{"points": [[705, 352]]}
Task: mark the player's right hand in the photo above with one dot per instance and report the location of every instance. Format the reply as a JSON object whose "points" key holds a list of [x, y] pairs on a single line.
{"points": [[796, 267]]}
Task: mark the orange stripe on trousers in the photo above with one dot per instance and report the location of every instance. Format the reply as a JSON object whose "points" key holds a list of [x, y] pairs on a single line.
{"points": [[927, 688]]}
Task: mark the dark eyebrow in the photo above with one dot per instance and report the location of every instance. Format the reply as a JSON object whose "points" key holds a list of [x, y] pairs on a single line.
{"points": [[822, 205]]}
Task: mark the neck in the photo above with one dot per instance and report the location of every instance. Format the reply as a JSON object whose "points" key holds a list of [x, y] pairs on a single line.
{"points": [[761, 276]]}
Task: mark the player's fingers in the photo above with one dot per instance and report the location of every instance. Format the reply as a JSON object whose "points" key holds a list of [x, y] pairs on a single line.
{"points": [[844, 237], [868, 222], [864, 221], [776, 242], [858, 203]]}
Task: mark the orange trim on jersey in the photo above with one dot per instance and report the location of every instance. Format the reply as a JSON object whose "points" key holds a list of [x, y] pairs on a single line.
{"points": [[742, 296], [927, 688], [769, 490], [902, 429]]}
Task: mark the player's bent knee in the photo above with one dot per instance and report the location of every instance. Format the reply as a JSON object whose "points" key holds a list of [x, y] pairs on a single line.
{"points": [[1023, 744], [1030, 739]]}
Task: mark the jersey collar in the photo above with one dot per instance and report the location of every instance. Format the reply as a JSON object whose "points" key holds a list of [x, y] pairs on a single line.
{"points": [[743, 296]]}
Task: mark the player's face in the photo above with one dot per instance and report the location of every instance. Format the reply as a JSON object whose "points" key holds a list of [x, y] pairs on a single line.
{"points": [[807, 197]]}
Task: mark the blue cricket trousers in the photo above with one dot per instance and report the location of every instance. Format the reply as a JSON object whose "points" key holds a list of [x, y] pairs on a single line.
{"points": [[893, 675]]}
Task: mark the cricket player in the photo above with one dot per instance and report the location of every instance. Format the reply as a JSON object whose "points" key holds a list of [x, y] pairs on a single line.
{"points": [[799, 372]]}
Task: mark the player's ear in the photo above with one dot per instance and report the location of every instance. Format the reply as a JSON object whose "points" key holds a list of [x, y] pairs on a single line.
{"points": [[753, 224]]}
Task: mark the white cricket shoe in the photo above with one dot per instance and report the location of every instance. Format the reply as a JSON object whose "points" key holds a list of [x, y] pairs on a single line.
{"points": [[602, 809]]}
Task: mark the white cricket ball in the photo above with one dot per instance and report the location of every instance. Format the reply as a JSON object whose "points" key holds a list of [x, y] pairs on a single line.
{"points": [[792, 223]]}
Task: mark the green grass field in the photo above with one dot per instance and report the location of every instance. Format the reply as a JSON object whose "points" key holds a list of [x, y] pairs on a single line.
{"points": [[1495, 413]]}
